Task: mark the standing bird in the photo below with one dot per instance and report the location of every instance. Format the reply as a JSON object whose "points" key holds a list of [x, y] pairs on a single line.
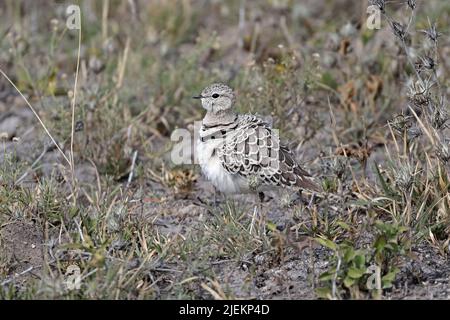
{"points": [[242, 153]]}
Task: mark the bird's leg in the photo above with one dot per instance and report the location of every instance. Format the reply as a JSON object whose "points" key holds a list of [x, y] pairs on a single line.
{"points": [[262, 217], [261, 196], [257, 213], [216, 201]]}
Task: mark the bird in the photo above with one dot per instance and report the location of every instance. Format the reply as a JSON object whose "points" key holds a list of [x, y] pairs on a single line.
{"points": [[242, 153]]}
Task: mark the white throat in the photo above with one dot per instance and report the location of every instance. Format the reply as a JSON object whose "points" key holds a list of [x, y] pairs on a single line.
{"points": [[221, 117]]}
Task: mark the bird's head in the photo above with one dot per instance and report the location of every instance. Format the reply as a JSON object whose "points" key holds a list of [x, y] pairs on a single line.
{"points": [[217, 97]]}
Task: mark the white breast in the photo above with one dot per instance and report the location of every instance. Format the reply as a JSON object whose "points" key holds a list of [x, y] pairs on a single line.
{"points": [[215, 172]]}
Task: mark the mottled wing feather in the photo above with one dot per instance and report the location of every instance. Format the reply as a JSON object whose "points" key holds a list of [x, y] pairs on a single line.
{"points": [[253, 150], [292, 173]]}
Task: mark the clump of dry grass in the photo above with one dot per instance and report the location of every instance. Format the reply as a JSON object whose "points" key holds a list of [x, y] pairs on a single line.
{"points": [[412, 193]]}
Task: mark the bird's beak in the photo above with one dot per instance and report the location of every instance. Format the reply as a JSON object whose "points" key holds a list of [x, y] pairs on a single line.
{"points": [[197, 97]]}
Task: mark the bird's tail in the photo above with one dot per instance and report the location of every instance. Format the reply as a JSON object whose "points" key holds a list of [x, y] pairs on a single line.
{"points": [[308, 183]]}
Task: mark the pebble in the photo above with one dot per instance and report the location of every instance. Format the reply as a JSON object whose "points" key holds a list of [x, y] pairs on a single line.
{"points": [[10, 125]]}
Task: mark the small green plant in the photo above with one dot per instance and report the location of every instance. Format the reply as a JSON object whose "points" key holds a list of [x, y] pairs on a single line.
{"points": [[351, 269], [348, 266]]}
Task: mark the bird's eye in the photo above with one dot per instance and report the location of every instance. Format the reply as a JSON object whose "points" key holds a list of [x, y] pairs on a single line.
{"points": [[215, 95]]}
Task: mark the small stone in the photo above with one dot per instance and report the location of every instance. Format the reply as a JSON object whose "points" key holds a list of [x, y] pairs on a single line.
{"points": [[96, 65], [348, 30], [10, 125]]}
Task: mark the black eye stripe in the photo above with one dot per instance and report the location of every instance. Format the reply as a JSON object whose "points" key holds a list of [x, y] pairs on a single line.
{"points": [[215, 96]]}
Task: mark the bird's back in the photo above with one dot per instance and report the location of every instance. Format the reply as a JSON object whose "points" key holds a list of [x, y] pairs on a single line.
{"points": [[246, 155]]}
